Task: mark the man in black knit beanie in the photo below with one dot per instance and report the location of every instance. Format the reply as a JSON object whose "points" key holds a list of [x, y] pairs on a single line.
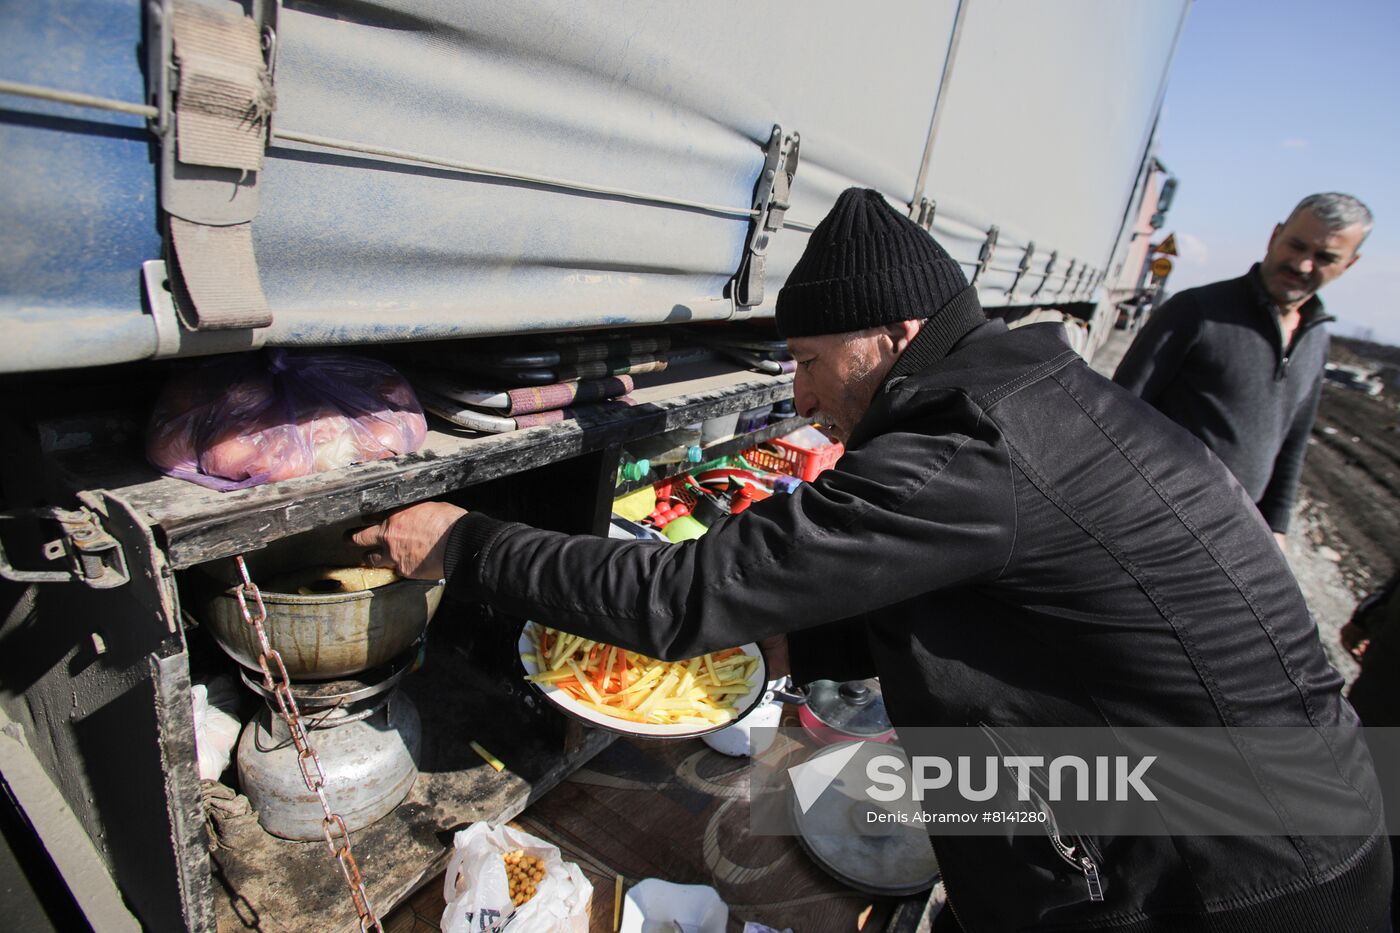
{"points": [[1010, 542], [869, 281]]}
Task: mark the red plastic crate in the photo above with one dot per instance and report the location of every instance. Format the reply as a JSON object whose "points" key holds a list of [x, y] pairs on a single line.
{"points": [[792, 460], [675, 488]]}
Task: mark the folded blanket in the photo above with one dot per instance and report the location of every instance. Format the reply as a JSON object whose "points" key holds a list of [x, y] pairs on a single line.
{"points": [[490, 423], [529, 399]]}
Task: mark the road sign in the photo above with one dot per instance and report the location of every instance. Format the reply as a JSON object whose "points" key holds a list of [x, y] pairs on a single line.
{"points": [[1161, 267], [1167, 247]]}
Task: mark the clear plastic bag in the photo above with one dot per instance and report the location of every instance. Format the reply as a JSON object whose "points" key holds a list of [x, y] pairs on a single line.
{"points": [[216, 725], [239, 421], [478, 893]]}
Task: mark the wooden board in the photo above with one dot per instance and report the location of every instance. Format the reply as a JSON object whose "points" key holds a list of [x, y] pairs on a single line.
{"points": [[199, 524], [678, 811]]}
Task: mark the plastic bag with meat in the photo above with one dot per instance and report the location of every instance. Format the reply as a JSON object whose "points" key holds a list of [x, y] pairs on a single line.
{"points": [[239, 421]]}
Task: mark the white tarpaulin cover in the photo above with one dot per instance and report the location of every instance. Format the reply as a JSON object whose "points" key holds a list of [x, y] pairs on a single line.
{"points": [[1047, 118]]}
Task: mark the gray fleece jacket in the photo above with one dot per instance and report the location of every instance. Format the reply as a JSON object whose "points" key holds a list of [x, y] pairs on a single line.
{"points": [[1212, 359]]}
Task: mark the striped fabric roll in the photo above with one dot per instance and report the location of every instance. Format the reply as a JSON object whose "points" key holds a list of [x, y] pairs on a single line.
{"points": [[531, 399], [561, 414]]}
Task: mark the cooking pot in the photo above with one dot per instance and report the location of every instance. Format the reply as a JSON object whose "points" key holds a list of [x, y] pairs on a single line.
{"points": [[319, 635], [830, 712]]}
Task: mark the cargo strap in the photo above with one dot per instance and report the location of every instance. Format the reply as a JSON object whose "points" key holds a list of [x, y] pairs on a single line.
{"points": [[225, 97], [215, 118], [216, 284]]}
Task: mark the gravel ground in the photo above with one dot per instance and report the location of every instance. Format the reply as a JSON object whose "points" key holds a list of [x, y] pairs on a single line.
{"points": [[1348, 510], [1320, 577]]}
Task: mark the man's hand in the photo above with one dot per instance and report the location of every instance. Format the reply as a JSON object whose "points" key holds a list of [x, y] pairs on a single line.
{"points": [[1354, 640], [412, 541], [775, 652], [1282, 538]]}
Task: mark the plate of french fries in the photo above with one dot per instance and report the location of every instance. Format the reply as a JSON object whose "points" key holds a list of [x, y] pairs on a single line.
{"points": [[627, 692]]}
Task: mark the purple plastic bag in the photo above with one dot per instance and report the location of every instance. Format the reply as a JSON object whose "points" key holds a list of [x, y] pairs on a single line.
{"points": [[239, 421]]}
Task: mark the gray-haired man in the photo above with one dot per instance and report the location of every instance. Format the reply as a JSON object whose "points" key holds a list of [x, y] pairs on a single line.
{"points": [[1239, 363]]}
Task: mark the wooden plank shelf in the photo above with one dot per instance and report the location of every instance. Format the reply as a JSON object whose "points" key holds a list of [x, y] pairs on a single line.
{"points": [[198, 524]]}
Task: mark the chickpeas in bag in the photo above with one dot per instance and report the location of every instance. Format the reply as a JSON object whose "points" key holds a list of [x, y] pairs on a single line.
{"points": [[502, 878]]}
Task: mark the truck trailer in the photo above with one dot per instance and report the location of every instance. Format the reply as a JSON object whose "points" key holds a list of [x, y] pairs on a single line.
{"points": [[197, 178]]}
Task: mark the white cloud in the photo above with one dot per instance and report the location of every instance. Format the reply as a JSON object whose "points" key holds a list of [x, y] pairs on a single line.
{"points": [[1192, 249], [1293, 142]]}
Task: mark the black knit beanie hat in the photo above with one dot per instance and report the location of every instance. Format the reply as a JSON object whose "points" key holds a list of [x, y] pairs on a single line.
{"points": [[865, 265]]}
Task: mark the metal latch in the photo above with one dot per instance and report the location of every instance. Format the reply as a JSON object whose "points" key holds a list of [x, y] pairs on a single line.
{"points": [[770, 200], [93, 556], [1079, 282], [1023, 268], [989, 248], [1069, 274], [923, 214], [1049, 271]]}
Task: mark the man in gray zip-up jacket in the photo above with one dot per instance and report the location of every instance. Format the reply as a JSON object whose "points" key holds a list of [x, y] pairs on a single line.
{"points": [[1239, 363]]}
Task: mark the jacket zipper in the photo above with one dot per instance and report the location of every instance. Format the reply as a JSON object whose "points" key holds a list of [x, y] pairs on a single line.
{"points": [[1083, 863], [1076, 856], [1281, 370], [947, 886]]}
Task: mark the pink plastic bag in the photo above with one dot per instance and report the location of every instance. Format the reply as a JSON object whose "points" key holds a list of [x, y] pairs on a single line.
{"points": [[239, 421]]}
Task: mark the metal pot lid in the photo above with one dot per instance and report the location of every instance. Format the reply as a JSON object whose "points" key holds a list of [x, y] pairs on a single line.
{"points": [[859, 842], [856, 707]]}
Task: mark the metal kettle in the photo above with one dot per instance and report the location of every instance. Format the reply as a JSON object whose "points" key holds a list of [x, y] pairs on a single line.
{"points": [[831, 711]]}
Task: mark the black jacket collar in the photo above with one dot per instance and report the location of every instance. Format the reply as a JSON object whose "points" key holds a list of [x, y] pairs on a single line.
{"points": [[939, 334]]}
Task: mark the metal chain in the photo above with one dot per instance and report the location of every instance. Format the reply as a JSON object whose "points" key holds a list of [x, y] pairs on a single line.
{"points": [[307, 761]]}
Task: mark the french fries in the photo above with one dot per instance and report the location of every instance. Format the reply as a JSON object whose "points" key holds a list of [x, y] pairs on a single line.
{"points": [[639, 689]]}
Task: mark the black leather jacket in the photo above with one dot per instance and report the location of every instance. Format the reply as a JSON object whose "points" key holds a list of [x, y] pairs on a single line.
{"points": [[1034, 546]]}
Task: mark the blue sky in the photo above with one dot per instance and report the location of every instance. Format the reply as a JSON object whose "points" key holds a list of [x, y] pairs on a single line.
{"points": [[1270, 100]]}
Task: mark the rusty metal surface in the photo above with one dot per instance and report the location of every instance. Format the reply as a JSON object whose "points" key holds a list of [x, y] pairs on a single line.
{"points": [[277, 682], [270, 884], [170, 677], [332, 635], [368, 765], [86, 673]]}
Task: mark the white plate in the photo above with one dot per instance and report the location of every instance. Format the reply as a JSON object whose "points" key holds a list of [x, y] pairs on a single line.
{"points": [[560, 698]]}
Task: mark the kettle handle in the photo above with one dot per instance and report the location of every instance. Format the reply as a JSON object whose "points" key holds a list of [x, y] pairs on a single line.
{"points": [[783, 691]]}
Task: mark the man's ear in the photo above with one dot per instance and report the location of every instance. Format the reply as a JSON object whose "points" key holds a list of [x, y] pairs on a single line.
{"points": [[902, 332], [1352, 261]]}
